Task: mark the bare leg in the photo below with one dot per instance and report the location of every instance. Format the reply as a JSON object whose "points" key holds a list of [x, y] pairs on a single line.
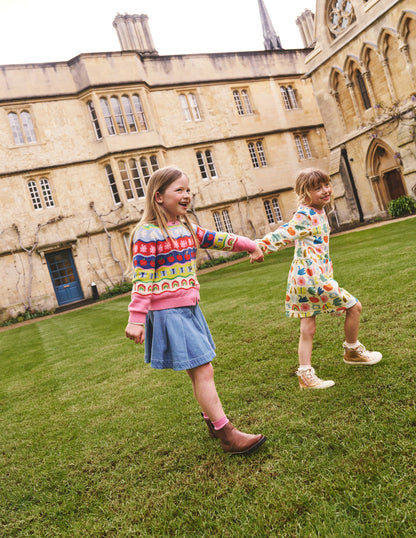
{"points": [[202, 378], [307, 332], [352, 323], [231, 439]]}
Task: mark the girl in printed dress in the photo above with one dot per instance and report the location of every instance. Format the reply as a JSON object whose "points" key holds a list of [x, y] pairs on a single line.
{"points": [[164, 310], [311, 288]]}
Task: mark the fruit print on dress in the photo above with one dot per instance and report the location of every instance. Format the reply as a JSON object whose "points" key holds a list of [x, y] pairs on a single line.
{"points": [[311, 288]]}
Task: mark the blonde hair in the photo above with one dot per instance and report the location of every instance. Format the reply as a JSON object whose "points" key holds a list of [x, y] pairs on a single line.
{"points": [[308, 179], [154, 213]]}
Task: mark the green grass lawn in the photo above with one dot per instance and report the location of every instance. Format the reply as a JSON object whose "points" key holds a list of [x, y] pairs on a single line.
{"points": [[94, 443]]}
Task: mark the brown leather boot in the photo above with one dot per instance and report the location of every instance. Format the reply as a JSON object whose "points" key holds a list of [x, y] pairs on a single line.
{"points": [[211, 430], [236, 442]]}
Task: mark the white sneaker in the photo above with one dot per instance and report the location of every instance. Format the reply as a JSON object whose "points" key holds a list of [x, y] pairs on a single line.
{"points": [[360, 356], [309, 380]]}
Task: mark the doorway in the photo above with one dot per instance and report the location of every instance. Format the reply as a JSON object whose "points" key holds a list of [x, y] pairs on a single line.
{"points": [[64, 276], [394, 184]]}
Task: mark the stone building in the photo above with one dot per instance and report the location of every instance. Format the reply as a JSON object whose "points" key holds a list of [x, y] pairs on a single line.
{"points": [[79, 140], [363, 73]]}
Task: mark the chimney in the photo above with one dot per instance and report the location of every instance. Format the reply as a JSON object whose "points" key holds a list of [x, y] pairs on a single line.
{"points": [[306, 24], [134, 34]]}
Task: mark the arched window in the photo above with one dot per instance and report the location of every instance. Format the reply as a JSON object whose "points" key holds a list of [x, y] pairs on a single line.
{"points": [[28, 129], [34, 194], [258, 157], [190, 107], [289, 97], [22, 127], [222, 221], [218, 222], [46, 192], [138, 107], [206, 164], [137, 180], [126, 180], [128, 111], [118, 115], [227, 221], [145, 169], [273, 212], [242, 102], [94, 120], [154, 163], [363, 90], [302, 145], [107, 116]]}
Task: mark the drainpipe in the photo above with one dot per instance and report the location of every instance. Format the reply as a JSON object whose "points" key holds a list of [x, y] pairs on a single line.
{"points": [[344, 155]]}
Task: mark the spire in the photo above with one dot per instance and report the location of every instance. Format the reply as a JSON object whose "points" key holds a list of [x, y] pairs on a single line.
{"points": [[271, 40]]}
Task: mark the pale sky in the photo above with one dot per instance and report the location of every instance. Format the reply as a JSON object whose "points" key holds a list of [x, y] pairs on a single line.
{"points": [[37, 31]]}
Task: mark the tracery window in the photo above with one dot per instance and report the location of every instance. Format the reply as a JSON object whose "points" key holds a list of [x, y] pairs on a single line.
{"points": [[341, 15]]}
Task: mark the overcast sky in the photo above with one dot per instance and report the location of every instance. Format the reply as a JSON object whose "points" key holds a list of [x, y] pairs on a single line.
{"points": [[33, 31]]}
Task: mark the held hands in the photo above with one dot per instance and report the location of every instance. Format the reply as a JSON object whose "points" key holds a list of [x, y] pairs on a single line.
{"points": [[256, 255], [135, 333]]}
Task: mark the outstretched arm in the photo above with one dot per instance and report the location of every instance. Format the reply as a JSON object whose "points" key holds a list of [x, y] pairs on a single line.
{"points": [[257, 255], [298, 227]]}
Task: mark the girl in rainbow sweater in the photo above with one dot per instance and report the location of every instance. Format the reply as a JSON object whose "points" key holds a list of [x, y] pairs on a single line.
{"points": [[164, 310]]}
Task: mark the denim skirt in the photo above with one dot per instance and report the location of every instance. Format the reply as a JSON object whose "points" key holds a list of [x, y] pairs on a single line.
{"points": [[177, 338]]}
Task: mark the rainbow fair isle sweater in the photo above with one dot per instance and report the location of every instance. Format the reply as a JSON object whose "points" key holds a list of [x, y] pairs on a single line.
{"points": [[165, 270]]}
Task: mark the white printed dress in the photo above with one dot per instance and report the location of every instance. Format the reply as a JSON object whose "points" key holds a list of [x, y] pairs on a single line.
{"points": [[311, 288]]}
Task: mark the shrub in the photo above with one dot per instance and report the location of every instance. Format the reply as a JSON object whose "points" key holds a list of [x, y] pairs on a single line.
{"points": [[24, 316], [222, 259], [118, 289], [405, 205]]}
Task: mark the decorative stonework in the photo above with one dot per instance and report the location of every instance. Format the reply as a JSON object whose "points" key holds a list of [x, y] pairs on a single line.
{"points": [[341, 15]]}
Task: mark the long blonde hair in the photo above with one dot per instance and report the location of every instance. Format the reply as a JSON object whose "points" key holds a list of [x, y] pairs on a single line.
{"points": [[154, 213], [308, 179]]}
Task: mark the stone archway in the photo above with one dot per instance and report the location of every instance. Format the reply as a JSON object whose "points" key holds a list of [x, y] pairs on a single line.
{"points": [[385, 173]]}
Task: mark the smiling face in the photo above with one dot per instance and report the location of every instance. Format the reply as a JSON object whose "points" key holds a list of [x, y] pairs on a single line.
{"points": [[175, 199], [320, 195]]}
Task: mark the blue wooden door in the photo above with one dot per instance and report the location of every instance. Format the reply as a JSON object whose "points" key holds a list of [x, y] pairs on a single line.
{"points": [[64, 276]]}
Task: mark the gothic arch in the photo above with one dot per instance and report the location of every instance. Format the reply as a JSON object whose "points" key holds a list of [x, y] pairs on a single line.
{"points": [[402, 26], [384, 169], [359, 84], [386, 38], [342, 97], [406, 30], [367, 48], [335, 74], [350, 62], [374, 72]]}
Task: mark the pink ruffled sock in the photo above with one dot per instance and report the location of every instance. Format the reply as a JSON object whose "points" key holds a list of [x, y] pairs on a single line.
{"points": [[218, 424]]}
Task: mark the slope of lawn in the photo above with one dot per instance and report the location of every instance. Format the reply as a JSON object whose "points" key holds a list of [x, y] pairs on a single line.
{"points": [[95, 443]]}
